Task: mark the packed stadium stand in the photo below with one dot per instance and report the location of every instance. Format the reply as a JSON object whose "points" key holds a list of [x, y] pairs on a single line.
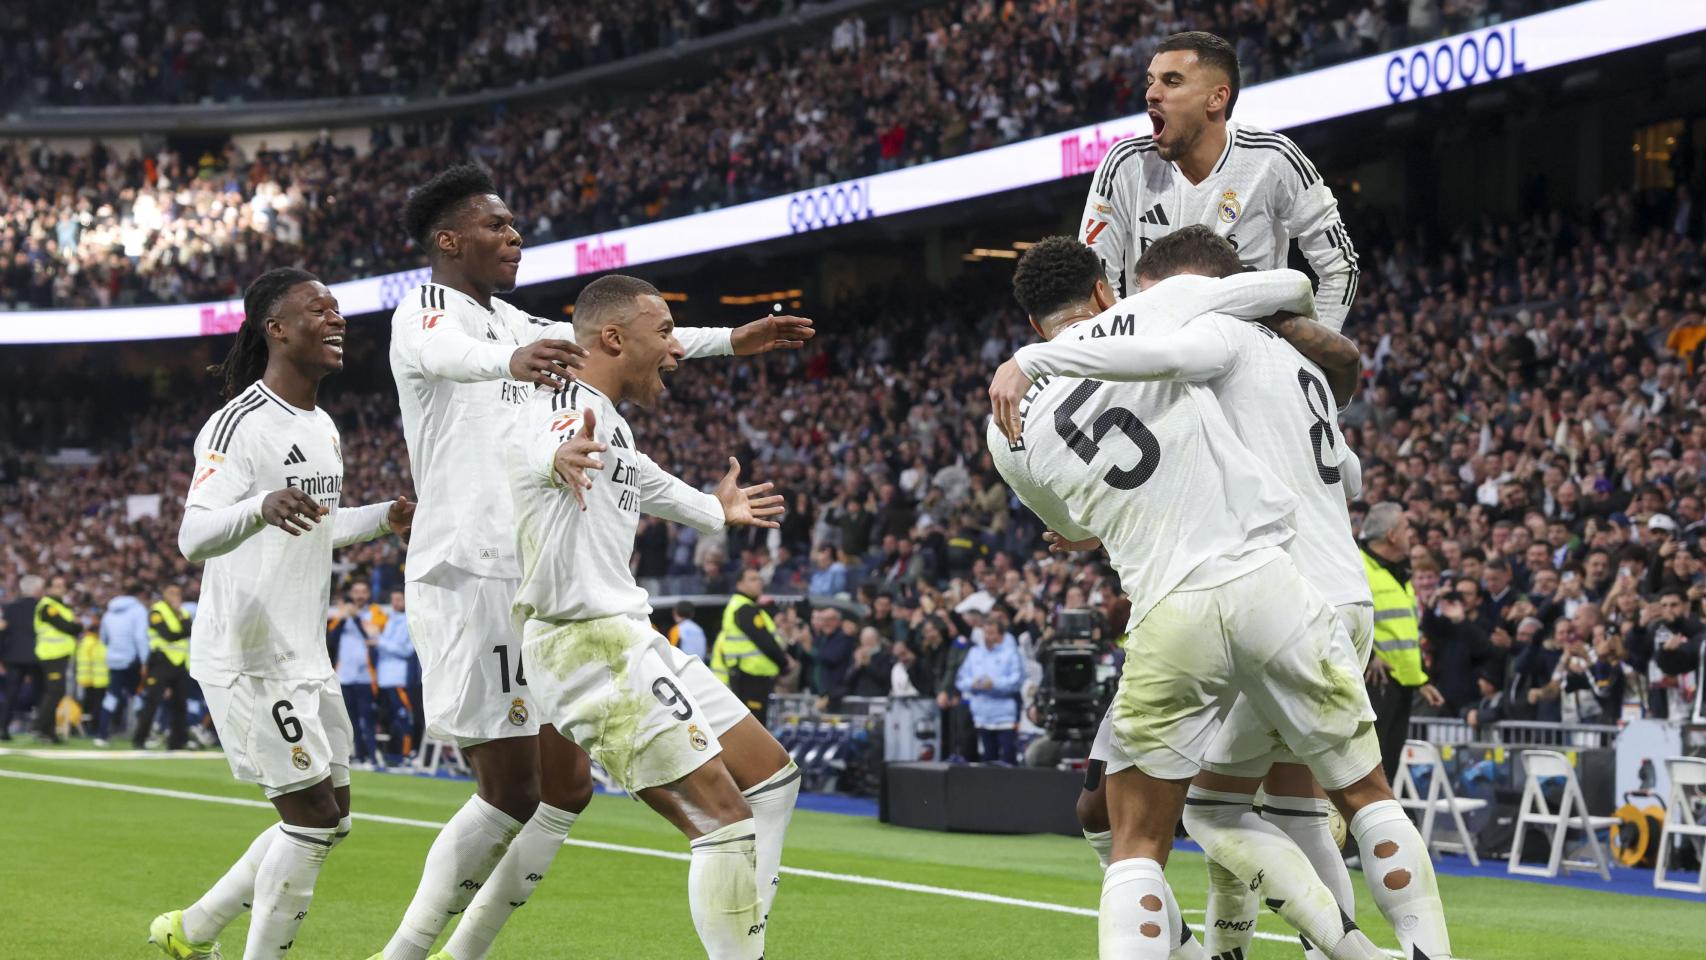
{"points": [[127, 226]]}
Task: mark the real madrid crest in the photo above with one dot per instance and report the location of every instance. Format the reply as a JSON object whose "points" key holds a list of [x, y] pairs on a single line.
{"points": [[518, 712], [299, 758], [1230, 208], [338, 448], [697, 737]]}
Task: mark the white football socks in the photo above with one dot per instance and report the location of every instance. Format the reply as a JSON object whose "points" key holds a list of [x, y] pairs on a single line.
{"points": [[1185, 945], [1267, 860], [1229, 925], [1304, 820], [231, 894], [284, 886], [772, 803], [722, 893], [511, 883], [1133, 923], [462, 857], [1399, 873]]}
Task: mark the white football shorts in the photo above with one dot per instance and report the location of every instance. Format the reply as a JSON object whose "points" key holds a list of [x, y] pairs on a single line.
{"points": [[472, 675], [282, 735], [610, 685], [1248, 745], [1266, 639]]}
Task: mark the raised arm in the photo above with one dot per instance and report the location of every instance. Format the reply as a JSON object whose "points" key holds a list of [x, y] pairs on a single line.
{"points": [[1336, 354], [1310, 215], [1197, 352], [664, 495], [433, 341]]}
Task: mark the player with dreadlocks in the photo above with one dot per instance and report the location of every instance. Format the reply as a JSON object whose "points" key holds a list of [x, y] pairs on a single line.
{"points": [[263, 513]]}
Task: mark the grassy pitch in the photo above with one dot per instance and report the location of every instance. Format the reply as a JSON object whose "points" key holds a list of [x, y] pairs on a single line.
{"points": [[87, 867]]}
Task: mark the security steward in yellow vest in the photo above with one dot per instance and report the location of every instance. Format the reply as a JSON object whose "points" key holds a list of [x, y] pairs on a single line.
{"points": [[168, 669], [746, 655], [1395, 674], [92, 675], [56, 642]]}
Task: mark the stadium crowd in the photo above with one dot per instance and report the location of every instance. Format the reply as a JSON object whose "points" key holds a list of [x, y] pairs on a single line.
{"points": [[1532, 398], [104, 53], [99, 228]]}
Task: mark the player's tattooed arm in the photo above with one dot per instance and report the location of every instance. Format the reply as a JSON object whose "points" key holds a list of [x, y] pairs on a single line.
{"points": [[1336, 354]]}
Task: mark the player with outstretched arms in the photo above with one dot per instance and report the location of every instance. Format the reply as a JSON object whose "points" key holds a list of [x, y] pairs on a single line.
{"points": [[1199, 166], [263, 512], [1195, 525], [1280, 402], [653, 717], [465, 361]]}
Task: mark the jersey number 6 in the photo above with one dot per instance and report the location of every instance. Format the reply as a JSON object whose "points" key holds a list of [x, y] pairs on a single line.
{"points": [[1120, 478], [289, 727]]}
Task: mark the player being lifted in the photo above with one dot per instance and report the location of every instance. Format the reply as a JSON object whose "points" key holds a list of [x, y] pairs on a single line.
{"points": [[1221, 612], [654, 718], [1252, 186], [270, 458], [463, 361], [1280, 404], [1255, 188]]}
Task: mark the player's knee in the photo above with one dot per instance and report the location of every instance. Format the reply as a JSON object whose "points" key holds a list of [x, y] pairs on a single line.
{"points": [[517, 800], [568, 793], [1092, 811], [315, 808]]}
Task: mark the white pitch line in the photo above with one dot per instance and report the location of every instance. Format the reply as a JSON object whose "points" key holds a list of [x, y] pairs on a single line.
{"points": [[971, 895], [110, 754]]}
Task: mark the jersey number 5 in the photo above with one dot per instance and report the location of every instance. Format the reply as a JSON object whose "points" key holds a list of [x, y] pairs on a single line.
{"points": [[1120, 478], [1321, 431]]}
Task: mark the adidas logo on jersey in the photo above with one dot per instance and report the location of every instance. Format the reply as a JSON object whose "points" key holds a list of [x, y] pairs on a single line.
{"points": [[294, 456], [1156, 216]]}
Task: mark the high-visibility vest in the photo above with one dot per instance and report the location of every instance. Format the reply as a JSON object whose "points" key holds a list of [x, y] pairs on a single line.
{"points": [[177, 651], [52, 643], [1397, 633], [734, 652], [92, 663]]}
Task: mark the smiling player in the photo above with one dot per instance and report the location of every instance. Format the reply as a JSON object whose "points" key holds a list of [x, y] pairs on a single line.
{"points": [[271, 458]]}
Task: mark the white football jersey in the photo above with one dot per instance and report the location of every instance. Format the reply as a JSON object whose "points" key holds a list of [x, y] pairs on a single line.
{"points": [[450, 358], [1261, 195], [1276, 400], [574, 562], [263, 604], [1152, 469]]}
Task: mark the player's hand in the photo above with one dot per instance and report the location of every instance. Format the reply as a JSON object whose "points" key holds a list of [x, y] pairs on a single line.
{"points": [[401, 517], [574, 457], [1378, 674], [1005, 392], [1059, 544], [291, 510], [771, 333], [1431, 695], [748, 506], [549, 363]]}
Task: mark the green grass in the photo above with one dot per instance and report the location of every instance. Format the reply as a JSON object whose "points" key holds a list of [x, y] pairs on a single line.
{"points": [[86, 869]]}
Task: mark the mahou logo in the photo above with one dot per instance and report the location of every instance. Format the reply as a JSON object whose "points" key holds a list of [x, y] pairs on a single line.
{"points": [[220, 318], [1080, 155], [597, 256]]}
